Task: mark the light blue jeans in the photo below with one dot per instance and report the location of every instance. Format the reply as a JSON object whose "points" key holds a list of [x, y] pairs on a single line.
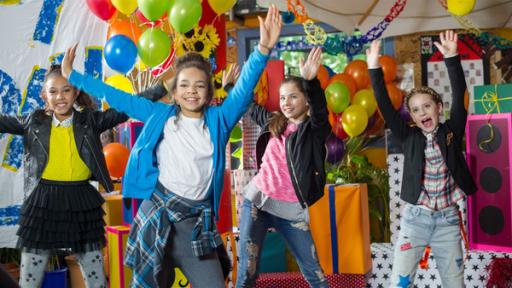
{"points": [[254, 224], [439, 229]]}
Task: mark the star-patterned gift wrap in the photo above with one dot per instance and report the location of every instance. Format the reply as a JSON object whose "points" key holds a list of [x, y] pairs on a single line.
{"points": [[296, 280]]}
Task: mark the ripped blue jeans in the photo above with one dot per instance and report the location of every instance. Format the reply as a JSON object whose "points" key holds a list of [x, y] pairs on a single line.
{"points": [[439, 229], [254, 224]]}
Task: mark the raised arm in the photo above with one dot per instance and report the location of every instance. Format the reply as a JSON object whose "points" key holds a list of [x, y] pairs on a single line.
{"points": [[12, 124], [393, 119], [108, 119]]}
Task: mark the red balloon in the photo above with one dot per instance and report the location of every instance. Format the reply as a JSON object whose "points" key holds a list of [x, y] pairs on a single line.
{"points": [[358, 69], [395, 95], [116, 157], [323, 76], [388, 65], [102, 8], [346, 79], [336, 126]]}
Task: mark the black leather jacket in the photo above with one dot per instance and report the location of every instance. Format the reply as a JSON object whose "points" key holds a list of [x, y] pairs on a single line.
{"points": [[87, 125], [305, 148]]}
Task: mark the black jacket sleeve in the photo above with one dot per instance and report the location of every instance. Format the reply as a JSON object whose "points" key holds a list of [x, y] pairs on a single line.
{"points": [[108, 119], [318, 108], [155, 92], [458, 112], [259, 114], [12, 124]]}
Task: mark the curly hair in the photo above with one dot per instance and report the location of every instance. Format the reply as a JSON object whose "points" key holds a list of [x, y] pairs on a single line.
{"points": [[195, 60], [422, 90]]}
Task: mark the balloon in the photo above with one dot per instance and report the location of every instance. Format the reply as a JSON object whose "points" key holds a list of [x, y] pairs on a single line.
{"points": [[147, 22], [120, 82], [354, 120], [337, 96], [120, 53], [404, 114], [460, 7], [371, 121], [153, 9], [376, 129], [185, 14], [103, 9], [125, 6], [116, 157], [335, 149], [323, 76], [336, 125], [329, 70], [346, 79], [395, 95], [388, 65], [358, 69], [221, 6], [288, 17], [124, 27], [154, 47], [366, 98]]}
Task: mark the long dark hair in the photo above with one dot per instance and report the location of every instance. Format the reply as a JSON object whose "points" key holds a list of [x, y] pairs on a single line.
{"points": [[278, 122], [83, 99]]}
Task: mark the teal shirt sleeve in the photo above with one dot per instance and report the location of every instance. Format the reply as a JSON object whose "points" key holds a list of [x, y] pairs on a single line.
{"points": [[134, 106], [241, 96]]}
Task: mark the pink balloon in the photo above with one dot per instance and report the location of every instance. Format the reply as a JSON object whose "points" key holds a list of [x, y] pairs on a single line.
{"points": [[103, 9]]}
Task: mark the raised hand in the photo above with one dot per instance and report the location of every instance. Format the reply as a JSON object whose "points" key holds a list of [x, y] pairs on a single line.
{"points": [[448, 43], [231, 75], [373, 55], [67, 61], [309, 69], [270, 28]]}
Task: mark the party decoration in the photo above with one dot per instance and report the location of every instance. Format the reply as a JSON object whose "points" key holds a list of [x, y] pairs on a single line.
{"points": [[404, 114], [160, 69], [388, 65], [346, 79], [314, 34], [147, 22], [220, 92], [335, 149], [103, 9], [336, 125], [153, 9], [203, 40], [185, 14], [221, 6], [120, 53], [354, 120], [120, 82], [358, 69], [124, 27], [333, 45], [337, 96], [323, 76], [460, 7], [116, 157], [395, 95], [287, 17], [126, 7], [329, 70], [366, 99], [154, 47]]}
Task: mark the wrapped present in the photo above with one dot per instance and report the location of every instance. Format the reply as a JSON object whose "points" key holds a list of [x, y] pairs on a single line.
{"points": [[130, 208], [180, 281], [128, 132], [341, 229], [296, 280], [113, 210], [119, 274], [495, 98], [229, 241]]}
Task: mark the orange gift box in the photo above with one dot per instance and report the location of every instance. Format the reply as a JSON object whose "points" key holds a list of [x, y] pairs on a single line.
{"points": [[341, 230]]}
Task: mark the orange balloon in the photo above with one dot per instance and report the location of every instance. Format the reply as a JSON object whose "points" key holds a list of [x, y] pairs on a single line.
{"points": [[388, 65], [116, 157], [124, 27], [346, 79], [358, 69], [323, 76], [395, 95], [336, 125]]}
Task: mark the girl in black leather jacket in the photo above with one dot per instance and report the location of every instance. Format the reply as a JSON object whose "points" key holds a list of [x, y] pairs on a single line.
{"points": [[62, 153]]}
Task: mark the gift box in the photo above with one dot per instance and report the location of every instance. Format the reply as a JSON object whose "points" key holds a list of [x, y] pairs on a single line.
{"points": [[119, 274], [495, 98], [127, 133], [230, 243], [341, 229], [296, 280], [113, 210], [130, 208]]}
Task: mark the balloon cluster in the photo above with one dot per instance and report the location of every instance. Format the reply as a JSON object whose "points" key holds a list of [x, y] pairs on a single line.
{"points": [[351, 102]]}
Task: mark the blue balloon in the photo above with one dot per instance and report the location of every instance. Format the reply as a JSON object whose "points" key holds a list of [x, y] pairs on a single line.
{"points": [[120, 53]]}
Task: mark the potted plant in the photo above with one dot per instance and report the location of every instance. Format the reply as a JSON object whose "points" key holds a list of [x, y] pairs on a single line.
{"points": [[355, 168]]}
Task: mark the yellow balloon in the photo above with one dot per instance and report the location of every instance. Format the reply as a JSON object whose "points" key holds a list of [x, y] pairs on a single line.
{"points": [[460, 7], [140, 65], [221, 6], [126, 7], [366, 98], [120, 82], [354, 120]]}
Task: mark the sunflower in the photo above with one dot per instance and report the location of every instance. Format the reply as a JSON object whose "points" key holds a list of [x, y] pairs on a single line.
{"points": [[202, 40], [220, 93]]}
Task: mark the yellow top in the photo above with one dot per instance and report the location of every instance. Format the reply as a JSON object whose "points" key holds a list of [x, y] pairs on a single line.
{"points": [[64, 163]]}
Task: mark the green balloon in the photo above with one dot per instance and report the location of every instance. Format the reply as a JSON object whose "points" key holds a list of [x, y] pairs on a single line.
{"points": [[153, 9], [185, 14], [153, 47], [338, 97]]}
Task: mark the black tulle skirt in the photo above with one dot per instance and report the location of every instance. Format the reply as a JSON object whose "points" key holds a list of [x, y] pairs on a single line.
{"points": [[62, 216]]}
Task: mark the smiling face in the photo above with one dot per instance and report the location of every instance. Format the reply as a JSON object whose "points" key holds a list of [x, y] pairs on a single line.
{"points": [[60, 96], [425, 111], [191, 92], [293, 102]]}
